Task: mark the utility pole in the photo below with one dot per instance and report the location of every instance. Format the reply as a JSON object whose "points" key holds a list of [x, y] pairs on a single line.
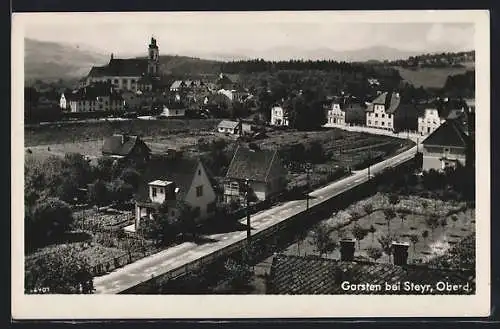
{"points": [[308, 168], [247, 197], [369, 161]]}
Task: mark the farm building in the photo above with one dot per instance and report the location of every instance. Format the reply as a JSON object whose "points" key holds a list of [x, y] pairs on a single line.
{"points": [[126, 147], [230, 127], [173, 182], [262, 168]]}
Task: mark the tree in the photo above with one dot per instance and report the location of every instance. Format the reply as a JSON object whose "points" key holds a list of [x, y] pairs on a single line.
{"points": [[131, 177], [389, 214], [425, 234], [104, 169], [368, 208], [372, 230], [50, 218], [62, 271], [414, 239], [432, 222], [98, 193], [120, 191], [385, 242], [359, 234], [238, 272], [322, 239], [374, 253]]}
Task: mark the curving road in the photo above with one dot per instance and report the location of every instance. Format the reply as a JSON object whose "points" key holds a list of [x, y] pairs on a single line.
{"points": [[177, 257]]}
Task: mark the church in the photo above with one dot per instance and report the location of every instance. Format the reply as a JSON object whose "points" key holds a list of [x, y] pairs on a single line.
{"points": [[131, 74]]}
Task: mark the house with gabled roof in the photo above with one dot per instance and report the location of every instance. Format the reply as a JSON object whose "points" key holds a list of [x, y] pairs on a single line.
{"points": [[171, 182], [389, 111], [126, 147], [262, 169], [447, 146]]}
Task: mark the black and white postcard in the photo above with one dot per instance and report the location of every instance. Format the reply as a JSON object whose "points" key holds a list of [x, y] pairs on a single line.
{"points": [[250, 164]]}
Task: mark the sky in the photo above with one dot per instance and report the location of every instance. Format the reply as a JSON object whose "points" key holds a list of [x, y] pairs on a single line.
{"points": [[240, 33]]}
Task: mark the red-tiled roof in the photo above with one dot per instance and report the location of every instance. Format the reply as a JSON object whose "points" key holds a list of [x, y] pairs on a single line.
{"points": [[294, 275], [251, 164], [450, 133]]}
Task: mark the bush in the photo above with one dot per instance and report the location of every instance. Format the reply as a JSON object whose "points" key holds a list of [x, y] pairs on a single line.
{"points": [[64, 271], [50, 219]]}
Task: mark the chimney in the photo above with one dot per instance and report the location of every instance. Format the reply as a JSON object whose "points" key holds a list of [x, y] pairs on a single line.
{"points": [[400, 252], [347, 247]]}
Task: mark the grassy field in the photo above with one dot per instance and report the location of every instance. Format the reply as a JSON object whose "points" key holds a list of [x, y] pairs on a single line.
{"points": [[429, 77], [92, 131]]}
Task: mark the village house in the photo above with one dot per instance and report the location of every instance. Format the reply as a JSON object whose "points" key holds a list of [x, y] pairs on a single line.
{"points": [[279, 116], [126, 147], [388, 111], [173, 109], [228, 127], [345, 111], [95, 97], [173, 181], [430, 121], [447, 146], [262, 169], [131, 73]]}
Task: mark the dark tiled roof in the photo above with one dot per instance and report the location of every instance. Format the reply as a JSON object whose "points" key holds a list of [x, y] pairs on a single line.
{"points": [[121, 67], [390, 100], [114, 146], [251, 164], [92, 91], [292, 275], [450, 133], [181, 171]]}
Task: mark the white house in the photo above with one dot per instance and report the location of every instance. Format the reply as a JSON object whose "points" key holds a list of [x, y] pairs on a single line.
{"points": [[279, 116], [93, 98], [63, 104], [176, 181], [173, 111], [335, 114], [227, 126], [380, 113], [429, 122], [446, 146]]}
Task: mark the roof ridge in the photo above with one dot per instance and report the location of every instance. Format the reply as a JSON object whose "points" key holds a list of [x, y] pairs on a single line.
{"points": [[270, 164]]}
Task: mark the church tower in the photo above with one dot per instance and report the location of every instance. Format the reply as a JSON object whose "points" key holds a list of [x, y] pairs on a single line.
{"points": [[153, 58]]}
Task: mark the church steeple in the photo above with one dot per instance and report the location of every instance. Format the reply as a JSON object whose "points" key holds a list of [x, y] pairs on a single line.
{"points": [[153, 58]]}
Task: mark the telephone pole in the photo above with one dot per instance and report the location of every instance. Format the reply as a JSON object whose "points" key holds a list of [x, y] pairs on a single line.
{"points": [[247, 197], [308, 169]]}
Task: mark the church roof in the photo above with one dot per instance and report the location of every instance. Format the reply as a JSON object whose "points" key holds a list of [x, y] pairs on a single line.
{"points": [[132, 67]]}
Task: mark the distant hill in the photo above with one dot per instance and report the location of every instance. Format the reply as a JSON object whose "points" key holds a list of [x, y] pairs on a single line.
{"points": [[52, 61], [429, 77]]}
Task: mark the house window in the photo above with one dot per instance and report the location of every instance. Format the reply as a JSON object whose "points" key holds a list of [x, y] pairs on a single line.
{"points": [[199, 191], [383, 115], [369, 122], [154, 192], [389, 124], [116, 80], [446, 150], [389, 116], [199, 172], [383, 123], [161, 190], [376, 123], [376, 115]]}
